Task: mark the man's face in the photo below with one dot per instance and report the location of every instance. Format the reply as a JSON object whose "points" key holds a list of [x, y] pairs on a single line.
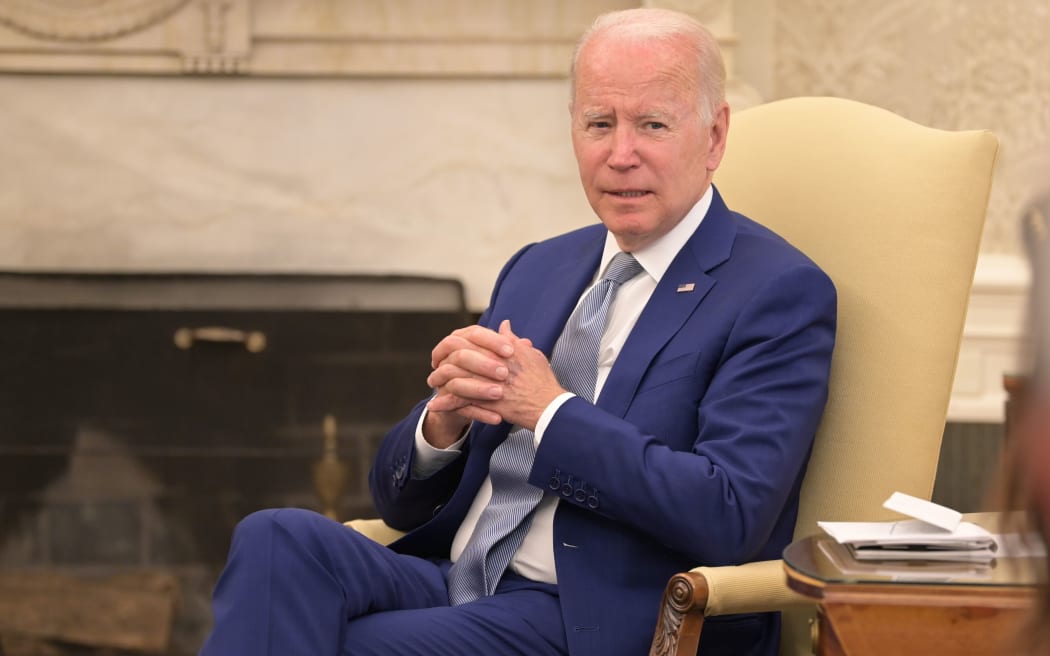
{"points": [[644, 155]]}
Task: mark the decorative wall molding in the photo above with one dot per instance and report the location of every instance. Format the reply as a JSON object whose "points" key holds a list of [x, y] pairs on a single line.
{"points": [[993, 338], [125, 36], [58, 20], [388, 38]]}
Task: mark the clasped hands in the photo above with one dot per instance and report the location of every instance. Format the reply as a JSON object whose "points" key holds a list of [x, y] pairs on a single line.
{"points": [[488, 376]]}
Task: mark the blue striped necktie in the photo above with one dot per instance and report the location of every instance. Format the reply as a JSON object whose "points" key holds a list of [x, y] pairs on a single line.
{"points": [[506, 519]]}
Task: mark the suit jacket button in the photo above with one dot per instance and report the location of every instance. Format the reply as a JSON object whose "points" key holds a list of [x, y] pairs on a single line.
{"points": [[555, 482], [592, 502]]}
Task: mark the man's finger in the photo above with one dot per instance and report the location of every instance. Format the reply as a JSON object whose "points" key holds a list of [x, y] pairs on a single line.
{"points": [[470, 363], [472, 338], [475, 413], [474, 389], [446, 403]]}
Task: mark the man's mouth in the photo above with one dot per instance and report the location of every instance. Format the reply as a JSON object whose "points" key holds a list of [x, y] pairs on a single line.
{"points": [[629, 194]]}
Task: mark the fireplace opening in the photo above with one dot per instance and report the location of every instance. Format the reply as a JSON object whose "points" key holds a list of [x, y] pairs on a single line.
{"points": [[143, 415]]}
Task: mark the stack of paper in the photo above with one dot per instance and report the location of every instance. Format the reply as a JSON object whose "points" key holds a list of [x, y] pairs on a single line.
{"points": [[935, 533], [906, 570]]}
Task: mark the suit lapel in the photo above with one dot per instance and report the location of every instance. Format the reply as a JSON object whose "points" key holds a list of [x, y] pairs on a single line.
{"points": [[565, 282], [668, 308]]}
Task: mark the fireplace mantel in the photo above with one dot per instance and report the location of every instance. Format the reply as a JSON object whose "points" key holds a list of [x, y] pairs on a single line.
{"points": [[521, 38], [230, 291]]}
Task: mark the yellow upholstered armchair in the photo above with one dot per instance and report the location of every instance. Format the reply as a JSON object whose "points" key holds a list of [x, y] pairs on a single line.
{"points": [[893, 212]]}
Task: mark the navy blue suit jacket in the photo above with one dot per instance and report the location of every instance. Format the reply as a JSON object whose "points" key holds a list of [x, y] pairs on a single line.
{"points": [[694, 452]]}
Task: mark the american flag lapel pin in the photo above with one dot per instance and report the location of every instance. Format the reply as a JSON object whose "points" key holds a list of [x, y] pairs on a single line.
{"points": [[686, 287]]}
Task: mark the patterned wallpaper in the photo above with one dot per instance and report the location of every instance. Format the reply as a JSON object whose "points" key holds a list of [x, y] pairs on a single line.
{"points": [[952, 64]]}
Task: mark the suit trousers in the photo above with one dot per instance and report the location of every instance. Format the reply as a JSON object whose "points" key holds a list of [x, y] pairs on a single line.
{"points": [[298, 583]]}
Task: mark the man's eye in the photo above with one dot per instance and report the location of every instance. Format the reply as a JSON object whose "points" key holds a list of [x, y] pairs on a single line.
{"points": [[655, 125], [601, 125]]}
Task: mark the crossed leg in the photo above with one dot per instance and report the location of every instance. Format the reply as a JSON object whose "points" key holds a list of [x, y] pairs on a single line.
{"points": [[297, 582]]}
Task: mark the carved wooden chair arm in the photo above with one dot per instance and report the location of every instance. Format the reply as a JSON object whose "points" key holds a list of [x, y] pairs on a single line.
{"points": [[691, 596]]}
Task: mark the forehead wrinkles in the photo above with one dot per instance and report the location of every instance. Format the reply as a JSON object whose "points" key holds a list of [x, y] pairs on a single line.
{"points": [[666, 95], [646, 77]]}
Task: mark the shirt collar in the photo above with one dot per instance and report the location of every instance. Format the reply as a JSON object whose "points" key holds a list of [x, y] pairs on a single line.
{"points": [[656, 257]]}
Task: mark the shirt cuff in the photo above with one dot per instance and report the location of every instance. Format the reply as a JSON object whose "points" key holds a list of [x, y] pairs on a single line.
{"points": [[548, 414], [429, 459]]}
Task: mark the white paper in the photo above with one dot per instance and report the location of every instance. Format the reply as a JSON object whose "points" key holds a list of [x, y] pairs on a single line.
{"points": [[907, 570], [935, 533], [883, 554], [923, 510], [909, 532]]}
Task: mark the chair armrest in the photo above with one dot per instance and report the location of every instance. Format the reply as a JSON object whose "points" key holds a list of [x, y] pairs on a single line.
{"points": [[690, 596], [759, 587], [375, 529]]}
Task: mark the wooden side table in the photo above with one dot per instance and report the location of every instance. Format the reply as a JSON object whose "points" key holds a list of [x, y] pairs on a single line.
{"points": [[913, 608]]}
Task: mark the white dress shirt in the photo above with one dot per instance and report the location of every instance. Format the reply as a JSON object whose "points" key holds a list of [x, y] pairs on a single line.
{"points": [[535, 557]]}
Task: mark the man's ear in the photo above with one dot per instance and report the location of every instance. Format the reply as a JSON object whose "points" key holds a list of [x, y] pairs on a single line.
{"points": [[717, 134]]}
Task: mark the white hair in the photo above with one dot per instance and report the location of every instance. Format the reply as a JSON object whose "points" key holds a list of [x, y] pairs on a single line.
{"points": [[651, 24]]}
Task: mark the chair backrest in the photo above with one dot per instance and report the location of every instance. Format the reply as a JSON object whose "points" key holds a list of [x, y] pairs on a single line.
{"points": [[893, 212]]}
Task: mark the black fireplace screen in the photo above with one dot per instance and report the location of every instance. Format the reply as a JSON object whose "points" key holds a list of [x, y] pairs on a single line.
{"points": [[141, 416]]}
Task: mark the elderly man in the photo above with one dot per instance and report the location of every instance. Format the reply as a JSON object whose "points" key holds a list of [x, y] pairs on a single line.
{"points": [[640, 397]]}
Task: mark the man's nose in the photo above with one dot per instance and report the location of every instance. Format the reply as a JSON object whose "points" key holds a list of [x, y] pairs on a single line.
{"points": [[623, 153]]}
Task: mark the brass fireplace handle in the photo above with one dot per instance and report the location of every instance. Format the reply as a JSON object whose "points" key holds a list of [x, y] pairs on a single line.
{"points": [[254, 341]]}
